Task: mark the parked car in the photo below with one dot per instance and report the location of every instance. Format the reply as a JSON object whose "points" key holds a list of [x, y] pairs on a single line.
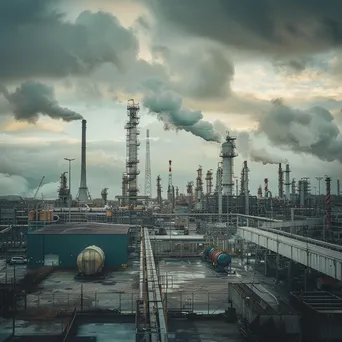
{"points": [[18, 261]]}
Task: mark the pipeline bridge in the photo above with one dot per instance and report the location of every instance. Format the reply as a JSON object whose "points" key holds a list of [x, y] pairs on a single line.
{"points": [[321, 256], [151, 313]]}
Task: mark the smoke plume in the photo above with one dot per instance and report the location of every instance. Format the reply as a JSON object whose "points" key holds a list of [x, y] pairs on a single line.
{"points": [[244, 144], [169, 108], [34, 98], [262, 156], [312, 132]]}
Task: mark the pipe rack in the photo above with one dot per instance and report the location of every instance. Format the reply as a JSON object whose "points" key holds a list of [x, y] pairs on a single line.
{"points": [[150, 292]]}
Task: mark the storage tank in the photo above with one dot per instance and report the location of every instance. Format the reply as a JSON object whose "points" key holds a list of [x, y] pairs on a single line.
{"points": [[219, 258], [91, 260], [32, 215], [45, 215], [207, 251]]}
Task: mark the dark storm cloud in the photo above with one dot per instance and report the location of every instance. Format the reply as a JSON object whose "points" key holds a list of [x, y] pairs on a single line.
{"points": [[203, 72], [36, 41], [314, 131], [283, 27], [34, 98]]}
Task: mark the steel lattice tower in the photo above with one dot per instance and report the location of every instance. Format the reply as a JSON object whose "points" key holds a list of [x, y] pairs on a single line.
{"points": [[148, 187], [132, 145]]}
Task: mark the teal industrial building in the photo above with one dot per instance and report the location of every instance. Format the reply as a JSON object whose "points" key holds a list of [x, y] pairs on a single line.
{"points": [[60, 244]]}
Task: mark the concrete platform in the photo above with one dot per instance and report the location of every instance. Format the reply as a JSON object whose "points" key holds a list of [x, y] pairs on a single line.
{"points": [[118, 291]]}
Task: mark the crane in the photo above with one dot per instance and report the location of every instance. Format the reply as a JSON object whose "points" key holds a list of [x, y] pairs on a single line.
{"points": [[39, 186]]}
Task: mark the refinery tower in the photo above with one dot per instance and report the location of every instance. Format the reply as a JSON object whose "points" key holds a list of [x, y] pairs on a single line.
{"points": [[228, 154]]}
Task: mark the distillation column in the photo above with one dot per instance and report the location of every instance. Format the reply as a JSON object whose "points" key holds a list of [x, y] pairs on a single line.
{"points": [[246, 190], [209, 182], [287, 182], [159, 191], [228, 154], [219, 189], [132, 150], [189, 192]]}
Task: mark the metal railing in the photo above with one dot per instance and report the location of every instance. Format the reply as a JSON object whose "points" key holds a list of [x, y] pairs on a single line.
{"points": [[203, 301]]}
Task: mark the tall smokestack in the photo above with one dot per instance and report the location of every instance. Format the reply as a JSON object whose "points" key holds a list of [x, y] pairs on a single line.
{"points": [[338, 187], [280, 182], [83, 193], [265, 187], [287, 182], [328, 205]]}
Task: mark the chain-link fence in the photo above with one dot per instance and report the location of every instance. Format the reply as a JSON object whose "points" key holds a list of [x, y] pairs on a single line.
{"points": [[204, 302], [122, 302], [199, 301]]}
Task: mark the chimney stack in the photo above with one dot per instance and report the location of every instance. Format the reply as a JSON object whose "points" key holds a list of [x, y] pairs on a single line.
{"points": [[83, 192]]}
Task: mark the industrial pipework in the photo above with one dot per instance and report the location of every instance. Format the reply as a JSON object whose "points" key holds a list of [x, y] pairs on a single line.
{"points": [[83, 192], [228, 154]]}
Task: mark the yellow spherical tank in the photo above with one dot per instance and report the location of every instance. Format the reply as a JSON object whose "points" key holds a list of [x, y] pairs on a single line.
{"points": [[91, 260]]}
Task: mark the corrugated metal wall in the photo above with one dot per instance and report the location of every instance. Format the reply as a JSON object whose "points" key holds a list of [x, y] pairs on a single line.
{"points": [[67, 247]]}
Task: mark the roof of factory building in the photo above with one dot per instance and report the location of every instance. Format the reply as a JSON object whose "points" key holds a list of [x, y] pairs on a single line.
{"points": [[84, 228]]}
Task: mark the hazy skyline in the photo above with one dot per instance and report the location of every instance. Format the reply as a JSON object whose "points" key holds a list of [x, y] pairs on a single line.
{"points": [[268, 72]]}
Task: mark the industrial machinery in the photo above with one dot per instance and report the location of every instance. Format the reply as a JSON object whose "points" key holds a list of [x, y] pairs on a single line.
{"points": [[90, 261], [219, 259]]}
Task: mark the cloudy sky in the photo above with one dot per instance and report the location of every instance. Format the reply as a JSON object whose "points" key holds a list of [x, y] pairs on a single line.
{"points": [[267, 71]]}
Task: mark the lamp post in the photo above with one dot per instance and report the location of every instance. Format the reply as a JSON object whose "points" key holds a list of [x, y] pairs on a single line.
{"points": [[69, 160]]}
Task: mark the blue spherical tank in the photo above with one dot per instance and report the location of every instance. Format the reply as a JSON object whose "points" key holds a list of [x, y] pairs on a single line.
{"points": [[207, 251], [224, 260]]}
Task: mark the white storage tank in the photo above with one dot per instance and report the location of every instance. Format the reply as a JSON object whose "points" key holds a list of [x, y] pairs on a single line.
{"points": [[91, 260]]}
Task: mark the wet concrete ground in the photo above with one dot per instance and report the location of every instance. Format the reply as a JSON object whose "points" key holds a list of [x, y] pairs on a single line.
{"points": [[27, 328], [184, 330], [118, 291], [195, 285], [106, 332]]}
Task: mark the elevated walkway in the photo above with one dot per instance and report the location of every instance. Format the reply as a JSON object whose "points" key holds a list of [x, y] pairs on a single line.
{"points": [[318, 255], [151, 301]]}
